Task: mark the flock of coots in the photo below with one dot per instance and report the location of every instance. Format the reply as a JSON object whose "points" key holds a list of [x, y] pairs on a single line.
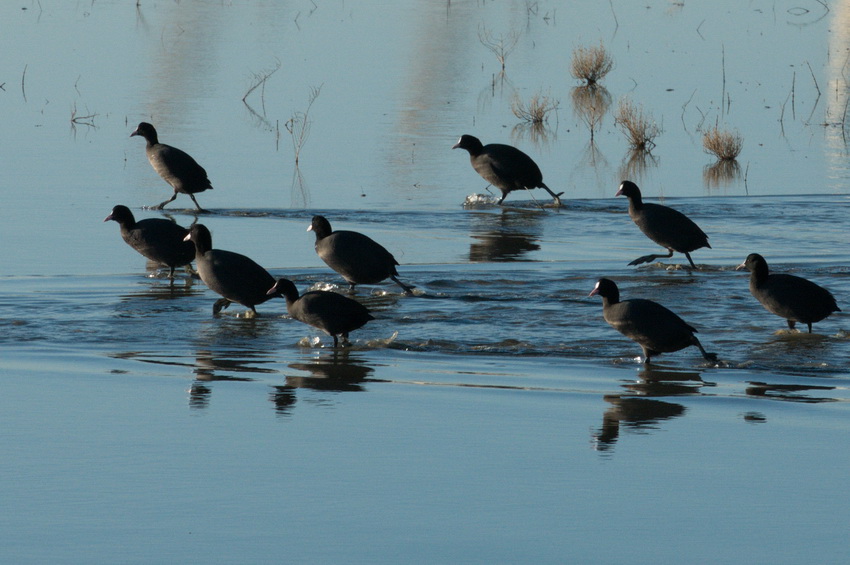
{"points": [[361, 260]]}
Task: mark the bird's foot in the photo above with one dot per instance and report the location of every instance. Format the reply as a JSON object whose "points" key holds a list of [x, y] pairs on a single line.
{"points": [[220, 304]]}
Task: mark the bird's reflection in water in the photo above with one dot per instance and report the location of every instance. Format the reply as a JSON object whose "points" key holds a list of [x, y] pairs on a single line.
{"points": [[222, 366], [639, 413], [163, 288], [199, 396], [506, 235], [789, 392], [339, 371]]}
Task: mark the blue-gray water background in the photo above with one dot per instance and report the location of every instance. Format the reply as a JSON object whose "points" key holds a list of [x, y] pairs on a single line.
{"points": [[495, 417]]}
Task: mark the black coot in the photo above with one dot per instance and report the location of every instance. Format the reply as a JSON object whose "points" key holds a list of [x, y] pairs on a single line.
{"points": [[655, 328], [665, 226], [505, 167], [333, 313], [794, 298], [159, 240], [236, 277], [358, 258], [176, 167]]}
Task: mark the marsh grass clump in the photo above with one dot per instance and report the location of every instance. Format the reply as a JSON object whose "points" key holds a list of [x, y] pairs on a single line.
{"points": [[536, 111], [591, 64], [725, 145], [638, 126]]}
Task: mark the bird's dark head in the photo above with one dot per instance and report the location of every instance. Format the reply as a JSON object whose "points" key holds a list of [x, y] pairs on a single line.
{"points": [[753, 262], [121, 214], [321, 226], [146, 130], [284, 288], [200, 235], [628, 189], [470, 143], [606, 288]]}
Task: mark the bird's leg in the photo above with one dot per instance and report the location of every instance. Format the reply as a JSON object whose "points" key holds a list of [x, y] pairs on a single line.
{"points": [[651, 257], [708, 356], [198, 206], [792, 324], [162, 205], [220, 304], [336, 342], [688, 255], [810, 326], [556, 198], [408, 289]]}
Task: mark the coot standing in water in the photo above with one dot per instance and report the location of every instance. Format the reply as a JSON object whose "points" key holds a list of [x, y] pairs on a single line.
{"points": [[158, 239], [358, 258], [176, 167], [665, 226], [655, 328], [235, 277], [333, 313], [794, 298], [505, 167]]}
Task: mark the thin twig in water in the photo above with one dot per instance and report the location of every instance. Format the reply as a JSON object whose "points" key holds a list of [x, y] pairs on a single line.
{"points": [[613, 13], [813, 78], [23, 78], [260, 80], [723, 63], [685, 105], [298, 125], [501, 46]]}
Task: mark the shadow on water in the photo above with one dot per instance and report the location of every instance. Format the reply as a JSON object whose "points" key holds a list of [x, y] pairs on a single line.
{"points": [[508, 235]]}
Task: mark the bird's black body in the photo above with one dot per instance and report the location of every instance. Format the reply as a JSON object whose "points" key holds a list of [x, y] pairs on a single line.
{"points": [[176, 167]]}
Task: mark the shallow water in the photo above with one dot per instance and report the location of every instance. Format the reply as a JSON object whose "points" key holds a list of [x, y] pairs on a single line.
{"points": [[499, 419]]}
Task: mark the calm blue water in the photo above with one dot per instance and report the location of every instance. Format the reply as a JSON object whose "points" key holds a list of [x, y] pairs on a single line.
{"points": [[493, 416]]}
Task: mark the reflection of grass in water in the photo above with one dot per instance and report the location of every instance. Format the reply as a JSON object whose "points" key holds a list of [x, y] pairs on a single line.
{"points": [[590, 104], [636, 163], [721, 173], [538, 133]]}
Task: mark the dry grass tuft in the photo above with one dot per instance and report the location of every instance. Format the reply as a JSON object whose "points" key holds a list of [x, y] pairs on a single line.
{"points": [[537, 110], [725, 145], [639, 127], [591, 64]]}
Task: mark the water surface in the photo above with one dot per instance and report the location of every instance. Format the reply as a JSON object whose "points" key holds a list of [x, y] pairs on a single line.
{"points": [[491, 417]]}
